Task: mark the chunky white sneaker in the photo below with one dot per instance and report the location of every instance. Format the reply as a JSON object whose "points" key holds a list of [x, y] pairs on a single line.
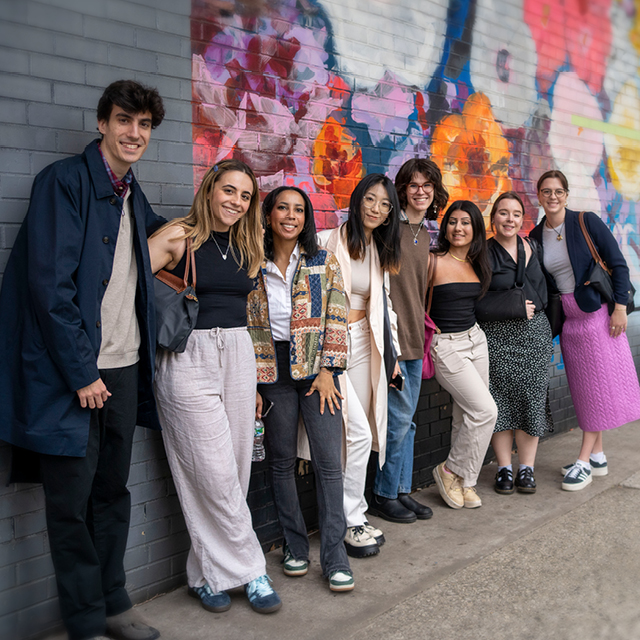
{"points": [[375, 533], [359, 543], [576, 478]]}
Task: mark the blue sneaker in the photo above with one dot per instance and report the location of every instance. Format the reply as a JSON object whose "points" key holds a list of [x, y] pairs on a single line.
{"points": [[576, 478], [214, 602], [262, 597]]}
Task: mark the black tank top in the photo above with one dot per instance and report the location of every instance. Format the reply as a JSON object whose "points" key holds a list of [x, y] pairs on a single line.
{"points": [[221, 286], [453, 306]]}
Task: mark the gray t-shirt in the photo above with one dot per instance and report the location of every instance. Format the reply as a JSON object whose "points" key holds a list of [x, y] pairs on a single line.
{"points": [[556, 258]]}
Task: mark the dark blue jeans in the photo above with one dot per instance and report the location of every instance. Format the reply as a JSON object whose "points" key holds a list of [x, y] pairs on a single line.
{"points": [[325, 440]]}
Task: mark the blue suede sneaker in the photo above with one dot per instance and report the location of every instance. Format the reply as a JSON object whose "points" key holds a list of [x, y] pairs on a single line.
{"points": [[214, 602], [262, 596]]}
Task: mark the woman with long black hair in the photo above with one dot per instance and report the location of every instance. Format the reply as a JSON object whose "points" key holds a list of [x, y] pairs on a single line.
{"points": [[367, 247], [297, 319], [462, 274]]}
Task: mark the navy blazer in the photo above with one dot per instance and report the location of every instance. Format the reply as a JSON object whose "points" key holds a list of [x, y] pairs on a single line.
{"points": [[50, 302], [587, 297]]}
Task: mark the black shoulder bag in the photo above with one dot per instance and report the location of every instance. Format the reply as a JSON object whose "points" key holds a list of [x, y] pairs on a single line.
{"points": [[176, 305], [600, 276], [508, 304]]}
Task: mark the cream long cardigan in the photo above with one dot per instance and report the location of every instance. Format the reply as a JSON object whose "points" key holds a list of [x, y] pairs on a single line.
{"points": [[335, 241]]}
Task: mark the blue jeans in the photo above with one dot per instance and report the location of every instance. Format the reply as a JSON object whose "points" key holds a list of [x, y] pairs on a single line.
{"points": [[325, 441], [395, 475]]}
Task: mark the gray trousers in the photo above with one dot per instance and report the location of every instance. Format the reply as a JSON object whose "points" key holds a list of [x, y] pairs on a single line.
{"points": [[206, 401], [462, 368]]}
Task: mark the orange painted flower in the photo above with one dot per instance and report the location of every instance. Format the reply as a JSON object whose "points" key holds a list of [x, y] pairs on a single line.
{"points": [[337, 161], [472, 154]]}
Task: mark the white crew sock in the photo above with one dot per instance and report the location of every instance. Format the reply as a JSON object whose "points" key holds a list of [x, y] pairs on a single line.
{"points": [[507, 466], [525, 466], [598, 457]]}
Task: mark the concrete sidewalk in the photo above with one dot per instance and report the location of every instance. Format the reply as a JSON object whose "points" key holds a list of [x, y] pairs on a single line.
{"points": [[551, 564]]}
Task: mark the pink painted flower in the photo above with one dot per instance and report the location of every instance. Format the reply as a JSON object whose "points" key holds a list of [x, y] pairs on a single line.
{"points": [[573, 31]]}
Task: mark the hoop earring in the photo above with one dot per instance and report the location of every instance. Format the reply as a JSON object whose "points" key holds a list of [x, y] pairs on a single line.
{"points": [[386, 222]]}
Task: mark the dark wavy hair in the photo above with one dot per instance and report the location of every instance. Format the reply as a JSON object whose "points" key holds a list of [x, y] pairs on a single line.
{"points": [[507, 195], [386, 236], [554, 173], [477, 254], [307, 237], [431, 172], [133, 97]]}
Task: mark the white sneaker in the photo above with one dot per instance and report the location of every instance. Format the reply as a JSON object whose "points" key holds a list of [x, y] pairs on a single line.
{"points": [[375, 533], [359, 543]]}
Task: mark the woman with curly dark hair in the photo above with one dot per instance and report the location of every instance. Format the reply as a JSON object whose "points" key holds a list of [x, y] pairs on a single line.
{"points": [[461, 275], [421, 195]]}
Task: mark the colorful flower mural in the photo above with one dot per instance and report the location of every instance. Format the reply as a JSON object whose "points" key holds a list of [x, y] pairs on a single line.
{"points": [[317, 93], [472, 154]]}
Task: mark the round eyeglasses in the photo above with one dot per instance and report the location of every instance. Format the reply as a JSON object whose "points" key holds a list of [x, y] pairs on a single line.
{"points": [[413, 187], [384, 206], [558, 193]]}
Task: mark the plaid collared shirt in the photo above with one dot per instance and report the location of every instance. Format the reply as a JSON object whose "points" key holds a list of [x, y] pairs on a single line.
{"points": [[120, 187]]}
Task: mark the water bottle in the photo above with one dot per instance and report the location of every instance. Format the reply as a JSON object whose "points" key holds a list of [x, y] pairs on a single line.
{"points": [[258, 442]]}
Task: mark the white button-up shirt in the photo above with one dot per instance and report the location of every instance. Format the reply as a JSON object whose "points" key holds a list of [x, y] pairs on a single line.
{"points": [[279, 296]]}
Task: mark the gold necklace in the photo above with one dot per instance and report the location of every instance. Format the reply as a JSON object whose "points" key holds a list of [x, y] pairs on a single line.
{"points": [[456, 258], [558, 233]]}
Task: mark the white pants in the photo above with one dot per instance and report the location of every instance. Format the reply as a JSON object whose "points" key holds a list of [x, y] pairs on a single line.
{"points": [[462, 368], [206, 403], [358, 429]]}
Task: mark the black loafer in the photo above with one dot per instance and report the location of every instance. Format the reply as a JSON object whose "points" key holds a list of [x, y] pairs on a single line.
{"points": [[421, 510], [504, 482], [525, 482], [391, 509]]}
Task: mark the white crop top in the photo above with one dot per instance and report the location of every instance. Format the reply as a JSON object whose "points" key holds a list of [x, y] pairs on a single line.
{"points": [[361, 281]]}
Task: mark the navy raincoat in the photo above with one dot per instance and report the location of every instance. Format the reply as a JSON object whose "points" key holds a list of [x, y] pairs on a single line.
{"points": [[50, 302]]}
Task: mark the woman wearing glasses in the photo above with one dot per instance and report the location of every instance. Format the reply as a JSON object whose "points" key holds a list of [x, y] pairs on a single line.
{"points": [[598, 361], [421, 195], [367, 247]]}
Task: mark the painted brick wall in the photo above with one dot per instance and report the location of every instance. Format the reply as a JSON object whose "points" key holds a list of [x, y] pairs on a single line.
{"points": [[56, 56]]}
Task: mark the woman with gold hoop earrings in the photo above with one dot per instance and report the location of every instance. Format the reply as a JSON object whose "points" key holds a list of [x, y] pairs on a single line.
{"points": [[460, 355], [367, 247]]}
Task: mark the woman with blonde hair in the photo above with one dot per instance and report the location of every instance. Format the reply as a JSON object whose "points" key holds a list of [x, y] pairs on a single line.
{"points": [[207, 394]]}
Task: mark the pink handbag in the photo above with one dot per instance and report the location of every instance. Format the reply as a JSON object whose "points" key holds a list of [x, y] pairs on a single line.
{"points": [[430, 328]]}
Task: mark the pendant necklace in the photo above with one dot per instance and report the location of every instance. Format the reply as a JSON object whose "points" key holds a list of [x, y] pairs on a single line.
{"points": [[413, 233], [456, 257], [226, 253], [558, 233]]}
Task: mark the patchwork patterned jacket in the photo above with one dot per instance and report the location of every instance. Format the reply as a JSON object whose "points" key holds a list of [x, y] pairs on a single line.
{"points": [[318, 320]]}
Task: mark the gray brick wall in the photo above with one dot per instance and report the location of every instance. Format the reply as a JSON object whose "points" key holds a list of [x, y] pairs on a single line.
{"points": [[55, 59]]}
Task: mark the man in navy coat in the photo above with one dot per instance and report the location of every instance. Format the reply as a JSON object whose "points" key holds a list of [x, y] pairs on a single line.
{"points": [[77, 349]]}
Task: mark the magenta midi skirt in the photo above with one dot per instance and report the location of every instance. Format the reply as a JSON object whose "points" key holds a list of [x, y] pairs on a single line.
{"points": [[600, 370]]}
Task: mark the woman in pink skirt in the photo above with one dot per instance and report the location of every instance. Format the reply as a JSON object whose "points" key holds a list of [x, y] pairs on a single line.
{"points": [[600, 370]]}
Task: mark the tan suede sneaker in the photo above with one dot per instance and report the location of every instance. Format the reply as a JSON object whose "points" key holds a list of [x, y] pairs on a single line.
{"points": [[471, 498], [450, 487]]}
